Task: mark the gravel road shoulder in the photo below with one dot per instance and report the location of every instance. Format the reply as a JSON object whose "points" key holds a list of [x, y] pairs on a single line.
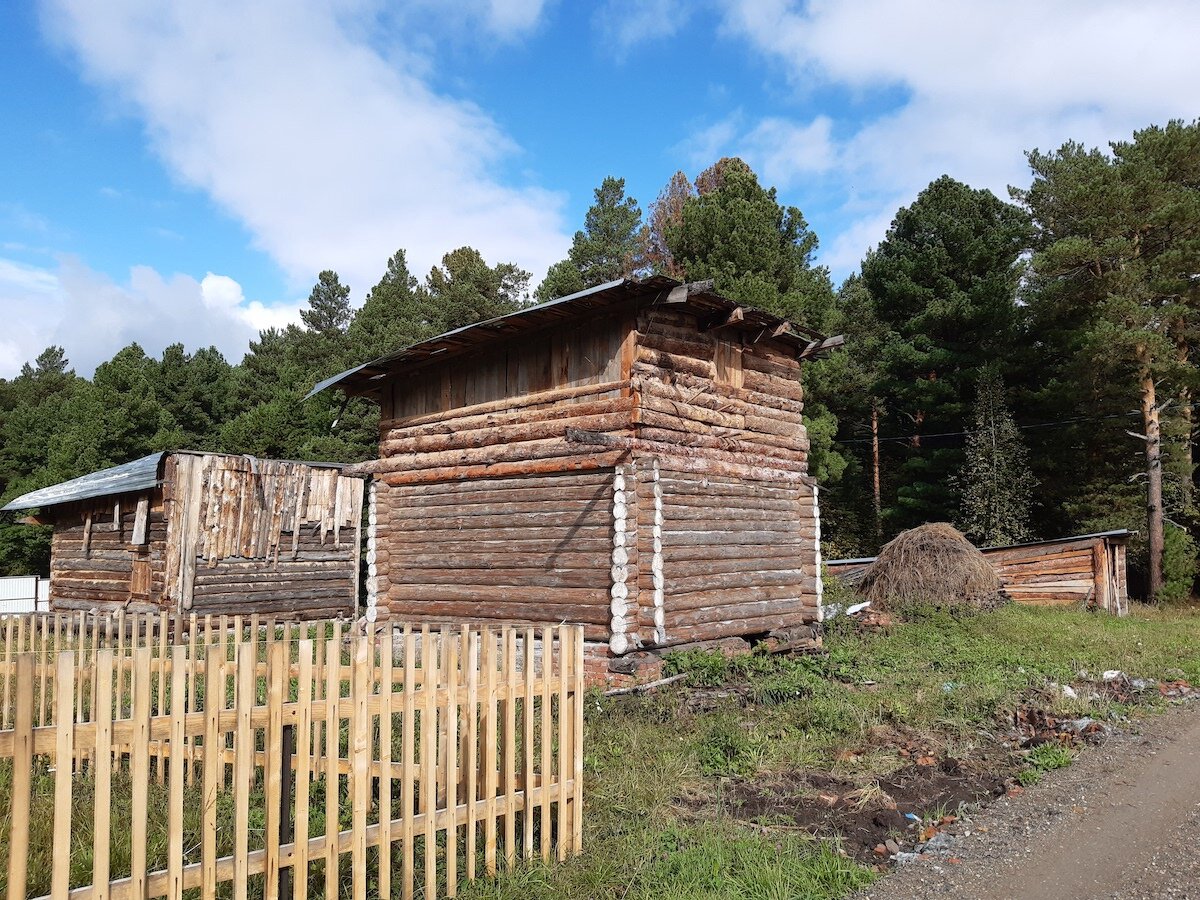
{"points": [[1122, 822]]}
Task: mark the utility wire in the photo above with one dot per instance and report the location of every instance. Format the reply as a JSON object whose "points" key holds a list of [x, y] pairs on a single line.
{"points": [[1058, 423]]}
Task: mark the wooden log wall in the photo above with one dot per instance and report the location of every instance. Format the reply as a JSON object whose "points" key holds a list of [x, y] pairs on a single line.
{"points": [[507, 412], [566, 472], [717, 391], [738, 557], [1086, 571], [109, 552], [261, 536], [528, 548]]}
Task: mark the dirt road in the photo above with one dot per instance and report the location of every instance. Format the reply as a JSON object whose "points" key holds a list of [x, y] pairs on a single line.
{"points": [[1123, 822]]}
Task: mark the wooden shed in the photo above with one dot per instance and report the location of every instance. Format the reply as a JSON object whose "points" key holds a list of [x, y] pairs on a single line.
{"points": [[632, 457], [204, 533], [1087, 570]]}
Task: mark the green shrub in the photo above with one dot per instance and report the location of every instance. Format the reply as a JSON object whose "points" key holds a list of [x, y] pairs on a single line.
{"points": [[1047, 757], [728, 748], [704, 668], [1179, 565]]}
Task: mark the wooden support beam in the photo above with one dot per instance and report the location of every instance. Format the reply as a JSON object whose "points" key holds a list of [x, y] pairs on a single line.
{"points": [[723, 320], [819, 346]]}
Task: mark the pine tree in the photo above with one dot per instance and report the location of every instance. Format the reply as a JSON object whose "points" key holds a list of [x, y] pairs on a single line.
{"points": [[328, 305], [609, 246], [995, 481]]}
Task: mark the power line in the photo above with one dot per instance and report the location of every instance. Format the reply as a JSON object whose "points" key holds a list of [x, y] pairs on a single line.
{"points": [[1058, 423]]}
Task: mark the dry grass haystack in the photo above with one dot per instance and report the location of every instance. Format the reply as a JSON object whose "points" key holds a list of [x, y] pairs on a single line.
{"points": [[933, 564]]}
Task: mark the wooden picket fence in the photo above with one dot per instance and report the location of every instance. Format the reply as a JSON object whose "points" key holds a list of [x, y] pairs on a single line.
{"points": [[44, 634], [393, 764]]}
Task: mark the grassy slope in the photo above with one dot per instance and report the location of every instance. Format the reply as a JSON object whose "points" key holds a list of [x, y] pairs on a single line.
{"points": [[941, 677]]}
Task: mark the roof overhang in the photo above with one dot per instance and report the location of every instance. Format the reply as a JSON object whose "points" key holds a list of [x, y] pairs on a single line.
{"points": [[138, 475], [712, 309]]}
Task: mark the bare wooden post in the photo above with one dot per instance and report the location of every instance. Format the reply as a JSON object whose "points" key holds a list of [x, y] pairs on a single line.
{"points": [[178, 760], [139, 769], [285, 807], [276, 814], [101, 813], [429, 734], [407, 839], [360, 771], [333, 689], [304, 690], [22, 770], [60, 883]]}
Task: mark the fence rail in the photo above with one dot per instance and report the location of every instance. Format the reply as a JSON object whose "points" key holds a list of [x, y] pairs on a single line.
{"points": [[380, 765]]}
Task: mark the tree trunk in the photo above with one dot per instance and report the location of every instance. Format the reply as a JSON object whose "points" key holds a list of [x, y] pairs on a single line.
{"points": [[1154, 495], [876, 495], [1185, 414]]}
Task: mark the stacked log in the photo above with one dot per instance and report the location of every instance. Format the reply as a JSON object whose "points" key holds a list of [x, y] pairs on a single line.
{"points": [[98, 546], [649, 479], [738, 556], [1086, 571], [1063, 573], [525, 548]]}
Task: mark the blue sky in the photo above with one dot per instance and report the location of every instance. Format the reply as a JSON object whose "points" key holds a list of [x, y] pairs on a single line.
{"points": [[182, 171]]}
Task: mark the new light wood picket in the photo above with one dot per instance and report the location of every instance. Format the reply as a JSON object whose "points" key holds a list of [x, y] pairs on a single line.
{"points": [[489, 754]]}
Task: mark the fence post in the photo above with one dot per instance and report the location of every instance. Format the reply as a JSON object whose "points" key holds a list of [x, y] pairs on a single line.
{"points": [[102, 811], [566, 719], [304, 693], [63, 761], [428, 767], [547, 740], [276, 812], [22, 766], [577, 764], [243, 765], [139, 767], [285, 808], [333, 690], [359, 750]]}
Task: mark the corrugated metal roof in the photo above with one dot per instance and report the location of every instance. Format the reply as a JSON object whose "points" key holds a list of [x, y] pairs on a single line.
{"points": [[137, 475], [131, 476], [700, 297]]}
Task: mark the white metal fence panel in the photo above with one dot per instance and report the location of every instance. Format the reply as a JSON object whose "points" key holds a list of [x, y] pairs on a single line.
{"points": [[24, 594]]}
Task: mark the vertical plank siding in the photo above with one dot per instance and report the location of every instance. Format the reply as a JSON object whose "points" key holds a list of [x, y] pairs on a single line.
{"points": [[430, 723], [221, 534]]}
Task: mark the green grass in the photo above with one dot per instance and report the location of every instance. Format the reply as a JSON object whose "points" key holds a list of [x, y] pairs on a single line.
{"points": [[656, 825]]}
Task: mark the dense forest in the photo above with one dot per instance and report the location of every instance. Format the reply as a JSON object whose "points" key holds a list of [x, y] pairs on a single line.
{"points": [[1024, 368]]}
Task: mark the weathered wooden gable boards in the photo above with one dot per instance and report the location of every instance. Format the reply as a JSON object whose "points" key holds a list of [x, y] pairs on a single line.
{"points": [[507, 411], [531, 548], [108, 551], [261, 535]]}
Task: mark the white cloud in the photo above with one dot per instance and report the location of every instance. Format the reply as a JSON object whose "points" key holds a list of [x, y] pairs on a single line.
{"points": [[332, 155], [629, 22], [980, 83], [93, 317]]}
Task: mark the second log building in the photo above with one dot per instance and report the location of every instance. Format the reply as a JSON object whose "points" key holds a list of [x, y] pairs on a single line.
{"points": [[632, 457]]}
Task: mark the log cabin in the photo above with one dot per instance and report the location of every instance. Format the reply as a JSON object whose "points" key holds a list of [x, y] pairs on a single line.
{"points": [[204, 533], [1086, 570], [632, 457]]}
